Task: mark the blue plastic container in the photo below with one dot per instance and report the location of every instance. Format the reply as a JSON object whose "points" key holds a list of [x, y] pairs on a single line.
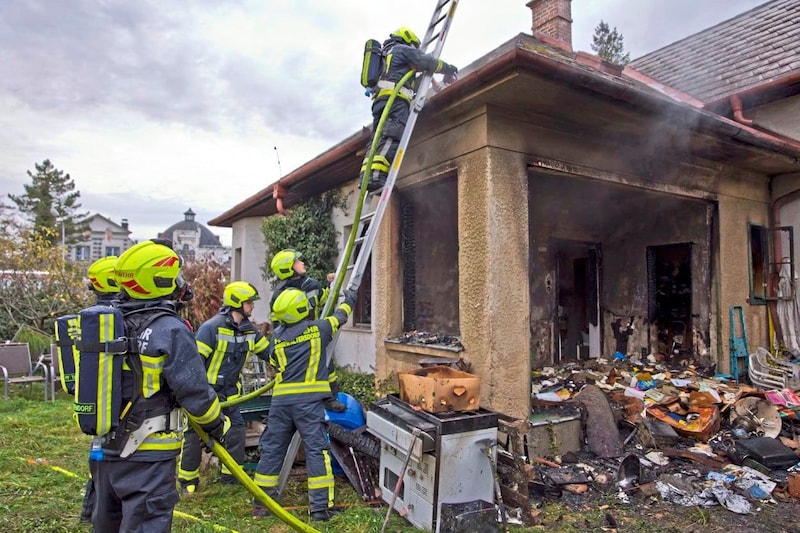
{"points": [[351, 418]]}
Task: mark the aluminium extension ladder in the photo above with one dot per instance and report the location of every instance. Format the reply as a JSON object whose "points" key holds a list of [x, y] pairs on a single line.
{"points": [[364, 233]]}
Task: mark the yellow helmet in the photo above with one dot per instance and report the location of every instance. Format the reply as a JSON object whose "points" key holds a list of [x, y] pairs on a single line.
{"points": [[283, 263], [148, 271], [290, 307], [101, 275], [408, 36], [237, 293]]}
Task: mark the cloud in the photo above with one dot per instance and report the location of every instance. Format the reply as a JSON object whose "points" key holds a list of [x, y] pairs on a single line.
{"points": [[181, 104]]}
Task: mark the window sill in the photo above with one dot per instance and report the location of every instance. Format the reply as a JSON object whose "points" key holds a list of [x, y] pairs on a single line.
{"points": [[358, 328], [433, 350]]}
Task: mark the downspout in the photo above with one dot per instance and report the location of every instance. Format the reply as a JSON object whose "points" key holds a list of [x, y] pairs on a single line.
{"points": [[736, 106], [279, 193]]}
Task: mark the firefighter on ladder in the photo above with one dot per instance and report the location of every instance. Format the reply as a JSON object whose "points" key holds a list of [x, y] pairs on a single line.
{"points": [[400, 55]]}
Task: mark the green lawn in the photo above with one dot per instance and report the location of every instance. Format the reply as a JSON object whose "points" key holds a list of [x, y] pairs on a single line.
{"points": [[43, 459]]}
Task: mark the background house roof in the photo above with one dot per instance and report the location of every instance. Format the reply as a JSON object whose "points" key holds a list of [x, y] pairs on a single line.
{"points": [[752, 49], [207, 239]]}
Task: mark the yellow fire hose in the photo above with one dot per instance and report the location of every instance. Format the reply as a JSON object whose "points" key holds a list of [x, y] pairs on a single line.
{"points": [[339, 280], [219, 450], [240, 475], [248, 396]]}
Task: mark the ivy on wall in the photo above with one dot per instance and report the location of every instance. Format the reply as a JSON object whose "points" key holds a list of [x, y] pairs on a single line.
{"points": [[309, 230]]}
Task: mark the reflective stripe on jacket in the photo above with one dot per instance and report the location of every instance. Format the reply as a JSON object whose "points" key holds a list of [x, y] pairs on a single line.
{"points": [[225, 347], [298, 353], [170, 366], [400, 59]]}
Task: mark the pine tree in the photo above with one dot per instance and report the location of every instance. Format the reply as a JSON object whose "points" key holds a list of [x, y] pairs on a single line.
{"points": [[50, 204], [609, 44]]}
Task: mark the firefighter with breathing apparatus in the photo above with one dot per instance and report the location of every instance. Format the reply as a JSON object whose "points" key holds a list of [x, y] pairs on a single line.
{"points": [[139, 369], [399, 55]]}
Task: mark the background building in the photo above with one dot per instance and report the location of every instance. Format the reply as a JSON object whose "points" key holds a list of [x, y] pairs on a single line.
{"points": [[194, 241], [103, 238]]}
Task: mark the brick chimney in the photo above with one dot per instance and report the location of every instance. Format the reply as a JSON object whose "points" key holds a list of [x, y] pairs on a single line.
{"points": [[552, 22]]}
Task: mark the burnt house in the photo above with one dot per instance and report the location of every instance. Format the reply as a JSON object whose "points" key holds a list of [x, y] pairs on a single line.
{"points": [[551, 207]]}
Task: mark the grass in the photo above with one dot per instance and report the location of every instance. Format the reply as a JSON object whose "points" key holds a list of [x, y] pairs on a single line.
{"points": [[43, 459]]}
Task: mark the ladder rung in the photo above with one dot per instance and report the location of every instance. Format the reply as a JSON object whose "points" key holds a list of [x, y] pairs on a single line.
{"points": [[367, 216], [433, 39]]}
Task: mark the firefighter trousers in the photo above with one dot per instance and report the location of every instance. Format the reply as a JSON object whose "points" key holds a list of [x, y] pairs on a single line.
{"points": [[192, 451], [134, 496], [392, 131], [308, 418]]}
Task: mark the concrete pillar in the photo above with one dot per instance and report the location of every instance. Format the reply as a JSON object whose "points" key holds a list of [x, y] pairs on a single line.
{"points": [[493, 276]]}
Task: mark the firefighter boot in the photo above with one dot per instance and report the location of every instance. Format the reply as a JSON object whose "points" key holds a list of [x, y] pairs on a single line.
{"points": [[88, 502], [325, 514]]}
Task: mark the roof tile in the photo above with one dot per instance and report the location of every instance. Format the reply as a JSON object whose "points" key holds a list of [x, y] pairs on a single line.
{"points": [[754, 47]]}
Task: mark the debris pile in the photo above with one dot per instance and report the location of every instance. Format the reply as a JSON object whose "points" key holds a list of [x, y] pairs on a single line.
{"points": [[643, 430], [427, 338]]}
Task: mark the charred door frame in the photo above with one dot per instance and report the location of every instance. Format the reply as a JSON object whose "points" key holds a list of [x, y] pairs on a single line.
{"points": [[665, 325], [593, 319]]}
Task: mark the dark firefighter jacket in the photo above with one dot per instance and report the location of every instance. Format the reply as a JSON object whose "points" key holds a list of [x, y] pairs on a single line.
{"points": [[399, 59], [298, 353], [225, 347], [173, 372]]}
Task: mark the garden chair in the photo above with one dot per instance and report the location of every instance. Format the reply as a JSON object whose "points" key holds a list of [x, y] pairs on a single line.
{"points": [[766, 372], [16, 368]]}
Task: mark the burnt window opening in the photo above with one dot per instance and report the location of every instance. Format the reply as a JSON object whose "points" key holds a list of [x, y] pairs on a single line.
{"points": [[362, 311], [771, 259], [362, 314], [429, 248]]}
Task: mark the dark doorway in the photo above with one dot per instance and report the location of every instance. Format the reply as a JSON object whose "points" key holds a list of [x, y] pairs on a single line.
{"points": [[577, 300], [669, 273]]}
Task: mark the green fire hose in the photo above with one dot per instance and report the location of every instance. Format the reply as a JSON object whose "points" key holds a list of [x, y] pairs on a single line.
{"points": [[219, 450], [348, 250], [242, 477]]}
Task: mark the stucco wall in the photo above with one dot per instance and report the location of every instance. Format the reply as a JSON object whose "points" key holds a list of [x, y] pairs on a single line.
{"points": [[780, 116], [740, 203], [493, 264], [246, 265]]}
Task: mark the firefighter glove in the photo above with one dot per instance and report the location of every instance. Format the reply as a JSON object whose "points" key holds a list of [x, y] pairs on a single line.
{"points": [[350, 296], [449, 70], [219, 431]]}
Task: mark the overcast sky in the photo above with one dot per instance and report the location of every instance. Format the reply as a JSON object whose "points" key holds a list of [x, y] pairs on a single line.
{"points": [[155, 106]]}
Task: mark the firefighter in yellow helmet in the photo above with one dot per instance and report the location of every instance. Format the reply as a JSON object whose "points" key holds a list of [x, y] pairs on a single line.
{"points": [[301, 388], [401, 54], [135, 480], [104, 286], [226, 341], [290, 270]]}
